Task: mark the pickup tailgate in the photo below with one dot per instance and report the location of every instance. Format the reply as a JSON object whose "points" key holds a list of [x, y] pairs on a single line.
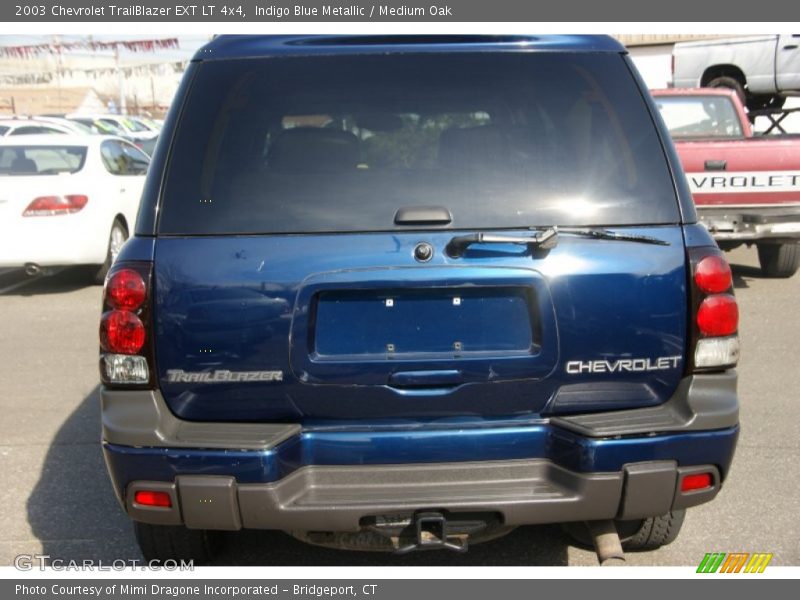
{"points": [[750, 172]]}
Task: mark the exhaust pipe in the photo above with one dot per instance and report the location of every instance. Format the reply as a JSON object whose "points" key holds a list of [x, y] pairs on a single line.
{"points": [[606, 542], [33, 270]]}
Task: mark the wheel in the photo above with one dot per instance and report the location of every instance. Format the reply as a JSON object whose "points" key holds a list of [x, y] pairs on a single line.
{"points": [[731, 83], [175, 542], [117, 237], [779, 260], [655, 532], [640, 534]]}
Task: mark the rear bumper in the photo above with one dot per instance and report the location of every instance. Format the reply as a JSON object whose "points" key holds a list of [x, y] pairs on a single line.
{"points": [[745, 224], [341, 498], [623, 464], [54, 241]]}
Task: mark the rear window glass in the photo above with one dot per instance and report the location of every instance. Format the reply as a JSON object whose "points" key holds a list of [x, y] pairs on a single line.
{"points": [[501, 140], [699, 116], [41, 160]]}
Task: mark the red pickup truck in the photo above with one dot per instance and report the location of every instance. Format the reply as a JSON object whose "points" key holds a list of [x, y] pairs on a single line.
{"points": [[746, 187]]}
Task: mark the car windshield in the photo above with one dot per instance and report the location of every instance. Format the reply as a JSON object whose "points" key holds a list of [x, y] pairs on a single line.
{"points": [[500, 140], [106, 127], [700, 116], [41, 160], [81, 128]]}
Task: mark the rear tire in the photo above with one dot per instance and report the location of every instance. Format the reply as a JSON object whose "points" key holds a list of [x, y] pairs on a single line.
{"points": [[641, 534], [779, 260], [175, 542], [655, 532], [730, 83], [116, 238]]}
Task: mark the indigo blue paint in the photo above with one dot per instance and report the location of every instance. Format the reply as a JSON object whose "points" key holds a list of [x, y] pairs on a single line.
{"points": [[572, 451], [251, 46], [247, 303]]}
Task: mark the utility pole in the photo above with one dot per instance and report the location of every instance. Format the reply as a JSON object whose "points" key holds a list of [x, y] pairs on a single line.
{"points": [[123, 110], [59, 67]]}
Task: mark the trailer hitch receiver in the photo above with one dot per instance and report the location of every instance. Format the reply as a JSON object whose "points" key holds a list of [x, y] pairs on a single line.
{"points": [[430, 533]]}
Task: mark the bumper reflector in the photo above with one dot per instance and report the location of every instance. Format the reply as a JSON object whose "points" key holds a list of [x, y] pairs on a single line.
{"points": [[151, 498], [716, 352], [126, 369], [697, 481]]}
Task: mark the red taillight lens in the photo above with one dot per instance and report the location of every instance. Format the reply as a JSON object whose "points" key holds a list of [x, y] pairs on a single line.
{"points": [[697, 481], [45, 206], [713, 275], [121, 331], [718, 315], [125, 290], [150, 498]]}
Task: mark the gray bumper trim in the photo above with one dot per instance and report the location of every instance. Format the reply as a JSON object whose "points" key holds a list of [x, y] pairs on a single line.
{"points": [[750, 223], [335, 498], [701, 402], [141, 418]]}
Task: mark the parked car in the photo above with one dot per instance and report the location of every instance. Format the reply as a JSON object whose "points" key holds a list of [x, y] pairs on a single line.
{"points": [[67, 200], [147, 146], [24, 126], [147, 122], [746, 188], [98, 127], [403, 293], [128, 126], [762, 69]]}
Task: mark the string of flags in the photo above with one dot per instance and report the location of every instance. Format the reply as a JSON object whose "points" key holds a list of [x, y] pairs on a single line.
{"points": [[94, 73], [35, 50]]}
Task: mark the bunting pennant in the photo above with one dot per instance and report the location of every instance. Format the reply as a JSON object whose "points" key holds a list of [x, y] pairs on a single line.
{"points": [[49, 76], [35, 50]]}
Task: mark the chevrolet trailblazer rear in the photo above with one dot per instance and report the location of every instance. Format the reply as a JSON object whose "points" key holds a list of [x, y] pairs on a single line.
{"points": [[407, 293]]}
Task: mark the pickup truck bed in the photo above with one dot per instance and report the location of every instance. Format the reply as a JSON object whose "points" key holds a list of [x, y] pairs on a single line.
{"points": [[746, 188]]}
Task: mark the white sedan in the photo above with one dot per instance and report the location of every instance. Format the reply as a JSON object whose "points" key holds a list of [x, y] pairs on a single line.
{"points": [[67, 200]]}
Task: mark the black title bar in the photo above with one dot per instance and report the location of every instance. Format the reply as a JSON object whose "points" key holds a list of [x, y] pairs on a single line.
{"points": [[255, 11]]}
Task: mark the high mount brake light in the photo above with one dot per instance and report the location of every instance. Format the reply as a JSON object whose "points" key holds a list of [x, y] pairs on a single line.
{"points": [[47, 206], [126, 351]]}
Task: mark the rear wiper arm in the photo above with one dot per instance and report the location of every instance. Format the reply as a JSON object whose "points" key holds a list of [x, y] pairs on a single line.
{"points": [[605, 234], [545, 240]]}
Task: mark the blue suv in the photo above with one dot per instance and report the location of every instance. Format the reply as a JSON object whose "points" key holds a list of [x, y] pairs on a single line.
{"points": [[408, 293]]}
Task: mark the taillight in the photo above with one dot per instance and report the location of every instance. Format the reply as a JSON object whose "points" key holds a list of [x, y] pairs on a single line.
{"points": [[126, 351], [712, 275], [718, 315], [122, 332], [714, 344], [126, 289], [47, 206]]}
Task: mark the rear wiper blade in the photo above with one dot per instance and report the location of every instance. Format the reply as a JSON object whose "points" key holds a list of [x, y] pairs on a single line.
{"points": [[545, 240], [606, 234]]}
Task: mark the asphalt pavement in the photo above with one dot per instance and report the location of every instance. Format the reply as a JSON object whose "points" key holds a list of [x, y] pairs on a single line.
{"points": [[56, 498]]}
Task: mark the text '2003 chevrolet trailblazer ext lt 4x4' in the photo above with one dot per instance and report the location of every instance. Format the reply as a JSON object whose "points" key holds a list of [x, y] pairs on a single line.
{"points": [[411, 292]]}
